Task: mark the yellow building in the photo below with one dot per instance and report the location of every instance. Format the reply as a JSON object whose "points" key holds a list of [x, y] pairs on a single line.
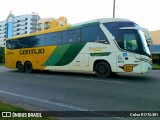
{"points": [[155, 48], [49, 23], [156, 37]]}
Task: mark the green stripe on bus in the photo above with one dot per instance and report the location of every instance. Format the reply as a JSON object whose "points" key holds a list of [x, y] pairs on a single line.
{"points": [[100, 54], [64, 54], [56, 55], [70, 54]]}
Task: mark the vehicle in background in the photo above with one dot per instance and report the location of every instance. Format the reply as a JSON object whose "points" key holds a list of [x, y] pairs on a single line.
{"points": [[148, 37]]}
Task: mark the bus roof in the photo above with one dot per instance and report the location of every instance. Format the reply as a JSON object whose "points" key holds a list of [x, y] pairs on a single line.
{"points": [[96, 21]]}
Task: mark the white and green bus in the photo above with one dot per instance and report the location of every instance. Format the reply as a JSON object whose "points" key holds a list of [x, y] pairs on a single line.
{"points": [[103, 46]]}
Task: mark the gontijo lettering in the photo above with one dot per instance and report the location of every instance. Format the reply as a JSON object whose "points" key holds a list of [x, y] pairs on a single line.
{"points": [[31, 51]]}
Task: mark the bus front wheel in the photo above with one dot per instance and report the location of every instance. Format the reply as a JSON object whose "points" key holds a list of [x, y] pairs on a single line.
{"points": [[28, 67], [20, 66], [102, 69]]}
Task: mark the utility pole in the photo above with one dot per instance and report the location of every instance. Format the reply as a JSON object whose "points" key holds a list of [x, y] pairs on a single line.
{"points": [[114, 2]]}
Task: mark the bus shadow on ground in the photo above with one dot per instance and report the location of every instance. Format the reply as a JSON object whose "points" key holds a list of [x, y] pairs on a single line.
{"points": [[118, 77], [132, 77]]}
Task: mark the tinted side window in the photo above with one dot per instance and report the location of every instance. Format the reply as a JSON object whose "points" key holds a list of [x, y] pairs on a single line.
{"points": [[17, 44], [53, 38], [9, 44], [114, 29], [28, 42], [71, 36], [92, 34], [38, 40]]}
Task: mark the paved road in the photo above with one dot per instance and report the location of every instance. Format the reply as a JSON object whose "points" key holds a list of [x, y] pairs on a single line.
{"points": [[77, 91]]}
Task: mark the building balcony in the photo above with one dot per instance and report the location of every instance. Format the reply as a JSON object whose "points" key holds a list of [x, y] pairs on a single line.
{"points": [[20, 20], [3, 32], [2, 25], [21, 32], [3, 28], [2, 39]]}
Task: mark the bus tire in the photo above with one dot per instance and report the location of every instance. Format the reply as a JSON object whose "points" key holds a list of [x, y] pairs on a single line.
{"points": [[102, 70], [28, 67], [20, 66]]}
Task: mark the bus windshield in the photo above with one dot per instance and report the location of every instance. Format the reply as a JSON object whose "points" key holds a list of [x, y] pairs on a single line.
{"points": [[128, 36], [144, 42]]}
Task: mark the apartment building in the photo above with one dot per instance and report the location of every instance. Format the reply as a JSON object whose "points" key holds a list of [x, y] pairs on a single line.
{"points": [[17, 25], [49, 23]]}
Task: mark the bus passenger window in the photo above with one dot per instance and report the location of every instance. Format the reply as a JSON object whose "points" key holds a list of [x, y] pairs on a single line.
{"points": [[53, 38], [28, 42], [39, 40], [93, 34], [17, 44], [71, 36], [9, 44], [88, 34]]}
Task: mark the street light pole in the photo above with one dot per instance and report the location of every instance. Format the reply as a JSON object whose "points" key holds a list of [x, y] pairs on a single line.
{"points": [[114, 2]]}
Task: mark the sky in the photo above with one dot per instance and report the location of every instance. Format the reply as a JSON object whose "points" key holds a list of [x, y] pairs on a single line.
{"points": [[145, 13]]}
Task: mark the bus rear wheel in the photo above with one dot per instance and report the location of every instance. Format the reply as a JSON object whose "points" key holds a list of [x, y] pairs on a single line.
{"points": [[102, 70], [28, 67], [20, 66]]}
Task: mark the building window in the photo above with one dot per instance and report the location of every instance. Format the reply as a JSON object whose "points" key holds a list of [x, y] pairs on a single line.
{"points": [[25, 32], [17, 33], [26, 23], [25, 27], [26, 18], [18, 29], [18, 25]]}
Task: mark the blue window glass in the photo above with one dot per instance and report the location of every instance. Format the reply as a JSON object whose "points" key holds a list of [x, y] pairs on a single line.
{"points": [[116, 32], [53, 38], [28, 43], [9, 44], [71, 36], [9, 31], [93, 34], [17, 44], [38, 40]]}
